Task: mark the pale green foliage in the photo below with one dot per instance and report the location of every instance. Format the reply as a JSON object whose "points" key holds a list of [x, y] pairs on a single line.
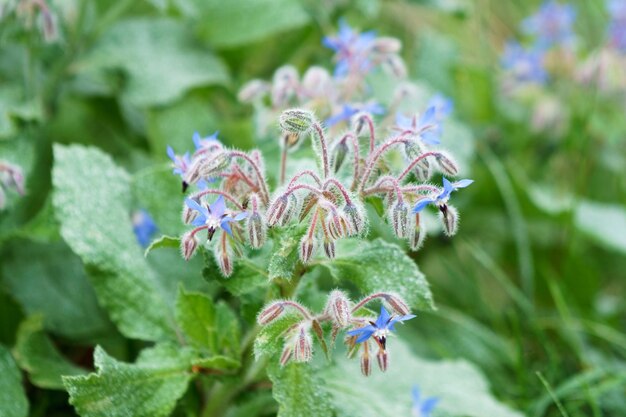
{"points": [[195, 314], [299, 392], [13, 402], [269, 341], [606, 223]]}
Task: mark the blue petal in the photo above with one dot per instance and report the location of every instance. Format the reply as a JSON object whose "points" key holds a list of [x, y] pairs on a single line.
{"points": [[199, 221], [192, 204], [399, 319], [362, 333], [462, 183], [240, 216], [364, 336], [218, 208], [421, 205], [171, 154], [415, 393], [430, 138], [429, 404], [226, 226], [429, 116], [447, 186], [382, 320]]}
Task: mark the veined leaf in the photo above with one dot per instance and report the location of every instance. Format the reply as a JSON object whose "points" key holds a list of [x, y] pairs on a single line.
{"points": [[13, 401], [195, 314]]}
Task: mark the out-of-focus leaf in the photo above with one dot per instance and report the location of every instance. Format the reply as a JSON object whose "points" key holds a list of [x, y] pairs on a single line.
{"points": [[13, 108], [221, 362], [437, 56], [270, 341], [606, 223], [13, 401], [35, 353], [230, 22], [163, 242], [50, 279], [462, 390], [381, 266], [300, 392], [160, 58], [260, 404], [248, 276], [148, 388], [91, 200]]}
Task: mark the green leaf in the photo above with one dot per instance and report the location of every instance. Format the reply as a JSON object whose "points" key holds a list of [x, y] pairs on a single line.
{"points": [[462, 390], [163, 242], [195, 314], [269, 341], [218, 362], [247, 277], [148, 388], [228, 330], [13, 401], [606, 223], [91, 201], [299, 392], [37, 355], [381, 266], [285, 256], [231, 24], [159, 56], [50, 279]]}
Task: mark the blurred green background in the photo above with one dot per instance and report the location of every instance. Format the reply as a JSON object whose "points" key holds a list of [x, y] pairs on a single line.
{"points": [[532, 288]]}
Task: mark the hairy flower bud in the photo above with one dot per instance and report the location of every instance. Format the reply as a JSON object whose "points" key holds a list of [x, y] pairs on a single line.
{"points": [[396, 64], [206, 167], [397, 303], [387, 45], [337, 225], [423, 169], [252, 90], [277, 209], [447, 164], [303, 349], [355, 218], [189, 214], [284, 85], [307, 245], [290, 211], [256, 230], [366, 363], [399, 217], [338, 307], [383, 359], [296, 121], [329, 248], [417, 233], [450, 219], [316, 81], [339, 155], [188, 245], [290, 140], [223, 256], [286, 355], [270, 313]]}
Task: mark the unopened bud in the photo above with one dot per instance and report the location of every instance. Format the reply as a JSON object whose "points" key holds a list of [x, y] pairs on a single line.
{"points": [[303, 348], [252, 90], [396, 64], [358, 122], [355, 218], [329, 248], [447, 164], [366, 363], [206, 167], [277, 210], [307, 245], [189, 214], [383, 359], [285, 356], [337, 225], [270, 313], [397, 303], [296, 121], [450, 219], [399, 217], [224, 258], [188, 245], [290, 140], [387, 45], [418, 233], [316, 81], [339, 308], [291, 209], [339, 155], [256, 230]]}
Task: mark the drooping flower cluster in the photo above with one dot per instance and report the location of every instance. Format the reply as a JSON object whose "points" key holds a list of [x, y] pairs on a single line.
{"points": [[365, 335], [11, 178]]}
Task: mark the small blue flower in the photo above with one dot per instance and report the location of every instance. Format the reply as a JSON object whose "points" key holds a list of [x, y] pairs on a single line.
{"points": [[526, 65], [552, 24], [426, 127], [349, 110], [351, 49], [206, 142], [441, 199], [144, 227], [380, 329], [181, 163], [214, 216], [617, 25], [443, 106], [422, 407]]}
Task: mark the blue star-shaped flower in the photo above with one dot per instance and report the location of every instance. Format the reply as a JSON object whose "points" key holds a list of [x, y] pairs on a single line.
{"points": [[426, 127], [526, 65], [443, 106], [379, 329], [206, 142], [422, 407], [144, 227], [617, 25], [350, 47], [181, 163], [552, 24], [349, 110], [214, 216], [443, 197]]}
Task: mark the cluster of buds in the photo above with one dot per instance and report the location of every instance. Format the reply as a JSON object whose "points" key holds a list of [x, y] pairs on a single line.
{"points": [[365, 334], [34, 13], [11, 177]]}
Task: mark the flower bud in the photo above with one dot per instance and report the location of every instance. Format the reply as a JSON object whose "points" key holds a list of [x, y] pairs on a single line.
{"points": [[337, 225], [270, 313], [422, 170], [447, 164], [307, 245], [329, 248], [358, 122], [387, 45], [252, 90], [366, 363], [338, 308], [290, 140], [303, 349], [296, 121], [339, 155], [316, 81], [417, 233], [383, 359], [450, 219], [189, 214], [397, 303], [355, 218], [286, 355], [291, 209], [284, 85], [256, 230], [277, 210], [399, 217], [188, 245], [223, 256], [206, 167], [396, 64]]}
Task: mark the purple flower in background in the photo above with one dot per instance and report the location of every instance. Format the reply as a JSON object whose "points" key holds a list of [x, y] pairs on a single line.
{"points": [[443, 106], [351, 49], [552, 24], [427, 127], [617, 25], [214, 216], [144, 227], [422, 407], [526, 65], [349, 110], [379, 329], [442, 198]]}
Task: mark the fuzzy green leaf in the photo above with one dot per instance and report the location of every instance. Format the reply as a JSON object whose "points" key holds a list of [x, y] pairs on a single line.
{"points": [[270, 341], [91, 201], [36, 354], [13, 401], [381, 266], [285, 258], [162, 242], [195, 314], [148, 388]]}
